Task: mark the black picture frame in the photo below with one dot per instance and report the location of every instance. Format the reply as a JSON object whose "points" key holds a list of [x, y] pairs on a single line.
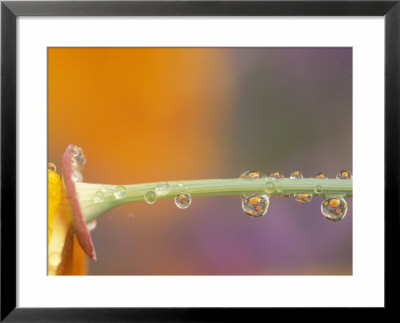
{"points": [[11, 10]]}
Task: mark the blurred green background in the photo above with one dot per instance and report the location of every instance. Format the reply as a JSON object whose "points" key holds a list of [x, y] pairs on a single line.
{"points": [[152, 114]]}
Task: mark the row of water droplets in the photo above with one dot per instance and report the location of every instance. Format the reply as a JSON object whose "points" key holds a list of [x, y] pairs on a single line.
{"points": [[256, 205], [182, 199]]}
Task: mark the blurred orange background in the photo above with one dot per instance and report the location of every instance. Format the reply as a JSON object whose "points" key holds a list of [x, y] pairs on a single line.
{"points": [[154, 114]]}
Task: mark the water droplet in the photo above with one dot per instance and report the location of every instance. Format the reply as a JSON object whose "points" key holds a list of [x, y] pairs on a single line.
{"points": [[334, 208], [269, 187], [344, 174], [51, 166], [255, 174], [99, 197], [183, 200], [150, 197], [75, 164], [276, 175], [92, 225], [75, 151], [255, 205], [252, 174], [119, 192], [321, 176], [162, 188], [296, 175], [318, 189], [77, 176], [78, 156], [302, 198]]}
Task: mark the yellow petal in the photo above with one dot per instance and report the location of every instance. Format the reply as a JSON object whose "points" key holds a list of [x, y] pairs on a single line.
{"points": [[65, 256]]}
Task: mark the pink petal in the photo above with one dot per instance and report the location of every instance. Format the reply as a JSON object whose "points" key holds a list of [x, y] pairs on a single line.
{"points": [[81, 230]]}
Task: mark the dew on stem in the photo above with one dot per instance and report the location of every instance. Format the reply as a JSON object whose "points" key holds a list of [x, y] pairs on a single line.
{"points": [[252, 174], [255, 205], [344, 174], [276, 175], [318, 189], [183, 200], [150, 197], [269, 186], [334, 208], [99, 197], [162, 188], [119, 192], [301, 198], [89, 201], [296, 175]]}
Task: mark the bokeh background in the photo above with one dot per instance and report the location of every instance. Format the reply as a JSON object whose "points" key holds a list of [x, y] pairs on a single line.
{"points": [[158, 114]]}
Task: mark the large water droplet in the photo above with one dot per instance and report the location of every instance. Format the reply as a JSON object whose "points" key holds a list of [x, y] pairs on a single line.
{"points": [[150, 197], [99, 197], [255, 205], [77, 176], [162, 188], [321, 176], [296, 175], [255, 174], [276, 175], [344, 174], [183, 200], [252, 174], [302, 198], [92, 225], [51, 166], [334, 208], [119, 192]]}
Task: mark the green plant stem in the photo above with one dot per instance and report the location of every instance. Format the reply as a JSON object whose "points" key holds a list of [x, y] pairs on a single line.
{"points": [[215, 187], [208, 187]]}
